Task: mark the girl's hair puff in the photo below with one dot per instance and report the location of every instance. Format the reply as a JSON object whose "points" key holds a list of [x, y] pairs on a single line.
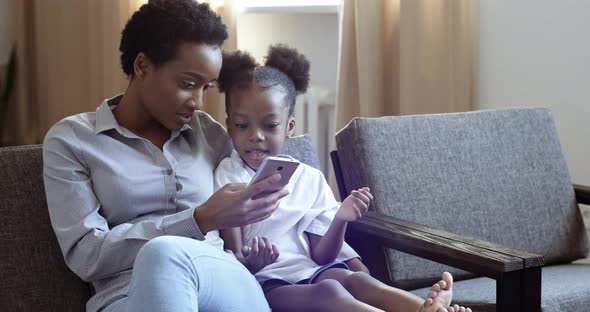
{"points": [[284, 67], [292, 63], [238, 68]]}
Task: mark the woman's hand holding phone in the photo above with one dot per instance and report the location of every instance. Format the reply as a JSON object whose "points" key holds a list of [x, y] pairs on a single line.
{"points": [[281, 164], [234, 204]]}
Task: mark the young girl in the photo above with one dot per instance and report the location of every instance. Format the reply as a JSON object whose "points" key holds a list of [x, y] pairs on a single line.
{"points": [[309, 225]]}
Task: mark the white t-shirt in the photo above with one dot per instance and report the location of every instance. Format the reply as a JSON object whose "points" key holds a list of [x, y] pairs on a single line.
{"points": [[309, 207]]}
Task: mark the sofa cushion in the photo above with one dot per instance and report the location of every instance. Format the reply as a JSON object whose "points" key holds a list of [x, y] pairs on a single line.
{"points": [[564, 288], [33, 274]]}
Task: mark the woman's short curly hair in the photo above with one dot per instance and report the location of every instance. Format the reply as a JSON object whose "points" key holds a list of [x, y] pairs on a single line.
{"points": [[159, 26], [284, 67]]}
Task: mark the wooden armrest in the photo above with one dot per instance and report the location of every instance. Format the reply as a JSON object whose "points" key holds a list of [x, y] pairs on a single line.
{"points": [[476, 256], [582, 194]]}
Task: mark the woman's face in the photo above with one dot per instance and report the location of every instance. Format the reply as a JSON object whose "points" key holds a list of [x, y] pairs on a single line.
{"points": [[172, 91]]}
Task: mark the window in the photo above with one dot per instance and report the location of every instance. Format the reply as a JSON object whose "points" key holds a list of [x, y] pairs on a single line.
{"points": [[292, 6]]}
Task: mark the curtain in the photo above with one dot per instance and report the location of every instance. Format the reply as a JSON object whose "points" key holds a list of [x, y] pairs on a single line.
{"points": [[401, 57], [68, 61]]}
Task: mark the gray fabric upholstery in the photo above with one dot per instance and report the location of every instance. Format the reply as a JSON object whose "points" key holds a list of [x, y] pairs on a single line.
{"points": [[33, 274], [565, 288], [498, 175], [301, 148]]}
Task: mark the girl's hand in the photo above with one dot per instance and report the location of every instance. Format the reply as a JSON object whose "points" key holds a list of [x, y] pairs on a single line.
{"points": [[233, 206], [260, 254], [355, 205]]}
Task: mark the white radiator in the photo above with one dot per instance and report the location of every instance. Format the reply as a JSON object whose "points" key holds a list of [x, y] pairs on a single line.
{"points": [[315, 115]]}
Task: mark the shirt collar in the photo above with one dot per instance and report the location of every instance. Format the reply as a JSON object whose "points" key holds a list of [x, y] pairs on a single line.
{"points": [[236, 157], [105, 120]]}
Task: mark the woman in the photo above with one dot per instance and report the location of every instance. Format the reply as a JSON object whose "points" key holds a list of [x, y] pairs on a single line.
{"points": [[130, 186], [121, 178]]}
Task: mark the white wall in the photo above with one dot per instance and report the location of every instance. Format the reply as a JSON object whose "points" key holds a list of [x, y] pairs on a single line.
{"points": [[537, 53], [313, 34]]}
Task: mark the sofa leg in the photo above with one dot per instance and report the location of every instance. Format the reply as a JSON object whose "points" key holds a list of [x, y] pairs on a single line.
{"points": [[508, 292], [532, 289]]}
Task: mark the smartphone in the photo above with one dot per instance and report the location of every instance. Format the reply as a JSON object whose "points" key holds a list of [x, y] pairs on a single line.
{"points": [[285, 165]]}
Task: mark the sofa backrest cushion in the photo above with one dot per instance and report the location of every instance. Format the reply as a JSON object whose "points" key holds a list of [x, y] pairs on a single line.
{"points": [[496, 175], [301, 148]]}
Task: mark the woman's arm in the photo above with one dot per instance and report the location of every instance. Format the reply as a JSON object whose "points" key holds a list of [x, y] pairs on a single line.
{"points": [[95, 244], [93, 248]]}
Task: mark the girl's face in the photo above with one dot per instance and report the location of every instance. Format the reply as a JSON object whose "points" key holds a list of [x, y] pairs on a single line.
{"points": [[258, 123], [172, 91]]}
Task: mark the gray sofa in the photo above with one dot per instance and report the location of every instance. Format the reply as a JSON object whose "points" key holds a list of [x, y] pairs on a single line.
{"points": [[33, 274], [416, 210]]}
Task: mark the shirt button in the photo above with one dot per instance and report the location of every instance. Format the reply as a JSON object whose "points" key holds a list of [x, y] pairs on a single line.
{"points": [[178, 186], [169, 171], [172, 200]]}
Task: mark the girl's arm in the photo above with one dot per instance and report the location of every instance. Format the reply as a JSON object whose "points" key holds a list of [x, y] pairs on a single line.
{"points": [[232, 240], [324, 249], [255, 257]]}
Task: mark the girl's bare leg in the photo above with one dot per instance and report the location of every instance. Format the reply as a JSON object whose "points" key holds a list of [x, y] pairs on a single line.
{"points": [[356, 265], [326, 295], [372, 291], [375, 293]]}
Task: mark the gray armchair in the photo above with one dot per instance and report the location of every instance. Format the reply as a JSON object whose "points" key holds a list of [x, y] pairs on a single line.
{"points": [[487, 192]]}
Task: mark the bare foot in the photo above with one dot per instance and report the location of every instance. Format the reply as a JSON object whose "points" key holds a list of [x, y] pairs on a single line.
{"points": [[457, 308], [440, 296]]}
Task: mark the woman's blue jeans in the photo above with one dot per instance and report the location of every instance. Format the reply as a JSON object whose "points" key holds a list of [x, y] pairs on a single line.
{"points": [[182, 274]]}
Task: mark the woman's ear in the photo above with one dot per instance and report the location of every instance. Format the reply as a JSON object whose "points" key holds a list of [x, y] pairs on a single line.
{"points": [[291, 127], [140, 65]]}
